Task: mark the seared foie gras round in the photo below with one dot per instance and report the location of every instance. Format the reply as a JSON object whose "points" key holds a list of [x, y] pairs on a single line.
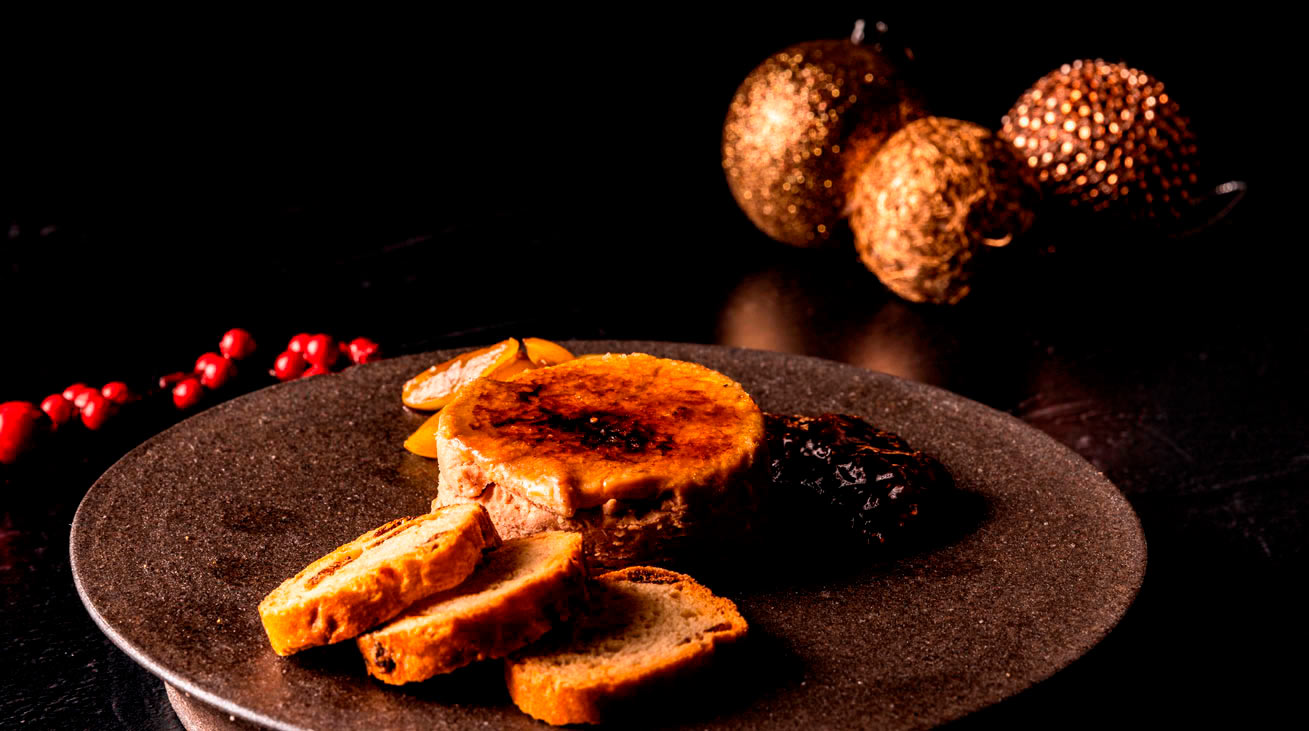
{"points": [[639, 453]]}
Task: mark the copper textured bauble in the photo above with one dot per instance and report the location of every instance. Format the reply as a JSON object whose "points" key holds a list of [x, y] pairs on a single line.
{"points": [[1107, 137], [798, 122], [939, 191]]}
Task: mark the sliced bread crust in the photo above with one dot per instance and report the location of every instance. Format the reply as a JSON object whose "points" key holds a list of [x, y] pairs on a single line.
{"points": [[522, 590], [375, 576], [646, 627]]}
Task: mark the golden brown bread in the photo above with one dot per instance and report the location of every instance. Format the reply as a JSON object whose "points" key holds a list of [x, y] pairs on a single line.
{"points": [[375, 576], [522, 590], [646, 627], [640, 453]]}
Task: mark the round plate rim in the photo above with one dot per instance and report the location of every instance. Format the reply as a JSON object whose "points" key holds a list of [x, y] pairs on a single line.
{"points": [[218, 702]]}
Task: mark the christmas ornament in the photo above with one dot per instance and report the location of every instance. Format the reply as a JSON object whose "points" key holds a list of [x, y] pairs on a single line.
{"points": [[1107, 137], [799, 121], [939, 191]]}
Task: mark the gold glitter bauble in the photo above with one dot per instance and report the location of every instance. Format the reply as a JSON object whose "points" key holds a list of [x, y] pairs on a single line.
{"points": [[937, 192], [1106, 136], [798, 122]]}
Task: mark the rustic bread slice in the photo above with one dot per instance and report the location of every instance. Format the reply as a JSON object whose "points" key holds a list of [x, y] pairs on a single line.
{"points": [[524, 588], [645, 626], [374, 577]]}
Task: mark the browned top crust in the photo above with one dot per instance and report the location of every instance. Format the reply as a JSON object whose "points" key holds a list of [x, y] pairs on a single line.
{"points": [[606, 427]]}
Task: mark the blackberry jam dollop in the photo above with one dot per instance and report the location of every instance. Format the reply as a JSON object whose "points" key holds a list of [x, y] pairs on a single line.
{"points": [[853, 474]]}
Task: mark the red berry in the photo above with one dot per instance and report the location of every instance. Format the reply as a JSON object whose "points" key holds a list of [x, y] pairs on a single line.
{"points": [[217, 372], [288, 366], [18, 423], [187, 393], [315, 370], [117, 392], [71, 392], [96, 410], [237, 344], [172, 379], [298, 343], [321, 350], [59, 409], [80, 399], [203, 362], [363, 350]]}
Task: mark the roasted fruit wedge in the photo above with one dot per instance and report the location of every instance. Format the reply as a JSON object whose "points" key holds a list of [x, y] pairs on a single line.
{"points": [[543, 353], [434, 387], [423, 441]]}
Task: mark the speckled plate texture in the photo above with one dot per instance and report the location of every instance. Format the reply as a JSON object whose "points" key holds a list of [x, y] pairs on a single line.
{"points": [[173, 548]]}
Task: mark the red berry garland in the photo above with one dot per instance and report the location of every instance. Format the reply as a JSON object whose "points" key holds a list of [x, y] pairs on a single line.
{"points": [[306, 355], [314, 355]]}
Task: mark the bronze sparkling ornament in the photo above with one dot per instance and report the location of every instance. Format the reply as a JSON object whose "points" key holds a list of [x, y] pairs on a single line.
{"points": [[1107, 137], [799, 121], [939, 191]]}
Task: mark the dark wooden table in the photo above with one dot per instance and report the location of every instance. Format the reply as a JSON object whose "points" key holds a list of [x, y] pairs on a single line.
{"points": [[1175, 366]]}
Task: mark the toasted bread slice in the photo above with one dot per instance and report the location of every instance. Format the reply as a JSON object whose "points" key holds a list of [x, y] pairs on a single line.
{"points": [[374, 577], [524, 588], [645, 627]]}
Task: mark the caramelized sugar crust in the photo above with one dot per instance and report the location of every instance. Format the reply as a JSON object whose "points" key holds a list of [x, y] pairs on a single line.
{"points": [[606, 427]]}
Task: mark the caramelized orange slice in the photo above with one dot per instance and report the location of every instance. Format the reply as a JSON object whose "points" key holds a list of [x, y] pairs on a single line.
{"points": [[436, 386], [423, 441], [543, 353]]}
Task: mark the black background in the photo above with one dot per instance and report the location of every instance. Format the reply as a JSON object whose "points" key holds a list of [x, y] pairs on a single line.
{"points": [[439, 180]]}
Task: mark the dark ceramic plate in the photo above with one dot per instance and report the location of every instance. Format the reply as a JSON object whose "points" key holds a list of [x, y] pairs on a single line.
{"points": [[175, 545]]}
